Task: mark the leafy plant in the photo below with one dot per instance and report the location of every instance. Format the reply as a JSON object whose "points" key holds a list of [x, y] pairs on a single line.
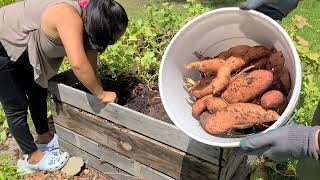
{"points": [[6, 2], [310, 94], [7, 169], [138, 53]]}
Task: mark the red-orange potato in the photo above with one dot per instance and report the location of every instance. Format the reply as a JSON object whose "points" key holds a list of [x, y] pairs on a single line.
{"points": [[206, 66], [215, 104], [199, 106], [248, 86], [202, 83], [285, 80], [282, 107], [236, 116], [272, 99], [257, 52]]}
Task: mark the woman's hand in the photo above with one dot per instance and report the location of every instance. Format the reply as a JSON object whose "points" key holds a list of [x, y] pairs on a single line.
{"points": [[285, 143], [276, 9], [108, 97]]}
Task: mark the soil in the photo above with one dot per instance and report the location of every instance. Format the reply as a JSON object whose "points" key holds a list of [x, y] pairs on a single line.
{"points": [[58, 175], [134, 95]]}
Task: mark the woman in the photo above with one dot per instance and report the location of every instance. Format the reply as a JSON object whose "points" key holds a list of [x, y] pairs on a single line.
{"points": [[35, 35]]}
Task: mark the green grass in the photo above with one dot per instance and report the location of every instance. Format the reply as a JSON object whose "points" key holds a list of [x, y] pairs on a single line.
{"points": [[136, 8], [309, 9]]}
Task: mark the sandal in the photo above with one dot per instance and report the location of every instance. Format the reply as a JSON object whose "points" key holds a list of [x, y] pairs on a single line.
{"points": [[53, 144], [51, 161]]}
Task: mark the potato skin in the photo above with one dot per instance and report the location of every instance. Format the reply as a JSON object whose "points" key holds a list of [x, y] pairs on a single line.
{"points": [[248, 86], [285, 80], [236, 116], [199, 106], [206, 66], [215, 104], [282, 107], [221, 82], [202, 83], [272, 99]]}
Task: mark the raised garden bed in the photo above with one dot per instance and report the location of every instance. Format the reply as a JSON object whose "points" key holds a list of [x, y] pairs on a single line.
{"points": [[123, 143]]}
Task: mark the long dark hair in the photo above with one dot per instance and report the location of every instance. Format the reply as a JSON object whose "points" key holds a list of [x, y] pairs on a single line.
{"points": [[104, 22]]}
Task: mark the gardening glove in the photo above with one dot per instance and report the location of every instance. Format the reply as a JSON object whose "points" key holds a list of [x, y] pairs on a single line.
{"points": [[276, 9], [285, 143]]}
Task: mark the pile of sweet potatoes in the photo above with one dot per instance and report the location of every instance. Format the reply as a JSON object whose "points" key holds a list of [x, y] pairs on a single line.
{"points": [[241, 88]]}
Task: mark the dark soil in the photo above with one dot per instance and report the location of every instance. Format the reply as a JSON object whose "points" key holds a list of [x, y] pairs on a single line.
{"points": [[134, 95]]}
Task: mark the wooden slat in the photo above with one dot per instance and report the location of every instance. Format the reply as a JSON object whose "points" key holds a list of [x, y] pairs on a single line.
{"points": [[133, 120], [94, 162], [245, 167], [161, 157], [107, 155], [238, 166]]}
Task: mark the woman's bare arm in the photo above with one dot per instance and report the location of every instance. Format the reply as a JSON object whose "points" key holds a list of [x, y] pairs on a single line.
{"points": [[69, 26]]}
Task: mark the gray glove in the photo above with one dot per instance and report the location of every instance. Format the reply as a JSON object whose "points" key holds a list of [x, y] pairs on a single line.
{"points": [[283, 144], [276, 9]]}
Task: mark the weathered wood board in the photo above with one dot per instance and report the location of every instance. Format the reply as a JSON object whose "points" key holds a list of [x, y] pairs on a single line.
{"points": [[106, 155], [133, 120], [126, 144], [163, 158]]}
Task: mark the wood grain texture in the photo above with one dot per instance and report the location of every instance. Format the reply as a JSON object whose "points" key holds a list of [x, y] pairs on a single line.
{"points": [[105, 154], [95, 163], [163, 158], [238, 166], [133, 120]]}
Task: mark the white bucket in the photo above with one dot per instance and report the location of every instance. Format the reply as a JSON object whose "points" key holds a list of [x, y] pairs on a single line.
{"points": [[211, 33]]}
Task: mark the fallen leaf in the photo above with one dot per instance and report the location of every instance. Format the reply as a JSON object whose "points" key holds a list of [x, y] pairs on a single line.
{"points": [[305, 44], [300, 22], [313, 56]]}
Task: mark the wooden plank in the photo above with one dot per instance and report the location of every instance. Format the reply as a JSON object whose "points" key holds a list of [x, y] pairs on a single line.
{"points": [[94, 162], [133, 120], [107, 155], [245, 167], [161, 157], [238, 166]]}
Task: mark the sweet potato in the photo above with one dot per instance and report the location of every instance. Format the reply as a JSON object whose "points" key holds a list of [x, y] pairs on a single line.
{"points": [[242, 72], [199, 106], [248, 86], [257, 52], [285, 80], [236, 116], [238, 51], [202, 83], [216, 85], [282, 107], [276, 64], [206, 66], [222, 80], [272, 99], [215, 104], [260, 63], [223, 55]]}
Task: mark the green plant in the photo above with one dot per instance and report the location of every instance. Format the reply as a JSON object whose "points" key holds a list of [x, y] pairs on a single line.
{"points": [[6, 2], [8, 171], [310, 94], [139, 51]]}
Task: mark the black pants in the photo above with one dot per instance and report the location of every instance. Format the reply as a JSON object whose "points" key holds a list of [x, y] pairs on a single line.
{"points": [[18, 91]]}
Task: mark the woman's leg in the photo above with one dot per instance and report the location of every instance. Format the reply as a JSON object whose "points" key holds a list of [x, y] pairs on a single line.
{"points": [[14, 102], [37, 99]]}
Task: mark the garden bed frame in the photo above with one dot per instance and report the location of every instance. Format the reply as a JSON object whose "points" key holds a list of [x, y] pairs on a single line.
{"points": [[125, 144]]}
